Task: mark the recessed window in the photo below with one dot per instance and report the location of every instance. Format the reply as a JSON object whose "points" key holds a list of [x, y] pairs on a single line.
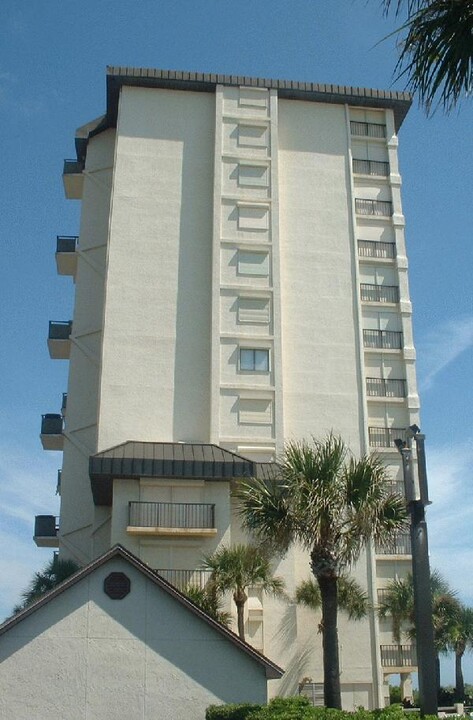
{"points": [[253, 135], [254, 310], [254, 360], [253, 263]]}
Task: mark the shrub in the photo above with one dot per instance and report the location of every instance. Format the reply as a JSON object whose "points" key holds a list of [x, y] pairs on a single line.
{"points": [[231, 712], [292, 708]]}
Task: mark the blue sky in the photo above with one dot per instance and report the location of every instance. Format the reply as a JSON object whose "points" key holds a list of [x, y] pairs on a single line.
{"points": [[52, 80]]}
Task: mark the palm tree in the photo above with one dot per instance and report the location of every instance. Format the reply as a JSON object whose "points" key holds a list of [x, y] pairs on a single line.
{"points": [[55, 572], [331, 504], [237, 568], [461, 640], [209, 602], [398, 602], [352, 599], [437, 49]]}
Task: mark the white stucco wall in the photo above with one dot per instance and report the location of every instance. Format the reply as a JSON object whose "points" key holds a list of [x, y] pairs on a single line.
{"points": [[84, 656]]}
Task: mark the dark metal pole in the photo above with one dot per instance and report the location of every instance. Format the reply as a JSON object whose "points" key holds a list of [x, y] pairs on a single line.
{"points": [[426, 655]]}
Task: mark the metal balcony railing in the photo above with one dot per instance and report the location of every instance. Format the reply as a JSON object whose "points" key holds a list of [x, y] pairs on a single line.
{"points": [[46, 526], [382, 339], [171, 515], [399, 545], [398, 656], [185, 578], [51, 424], [64, 404], [72, 167], [383, 437], [66, 243], [397, 487], [379, 293], [380, 387], [379, 208], [366, 129], [373, 249], [59, 329], [370, 167]]}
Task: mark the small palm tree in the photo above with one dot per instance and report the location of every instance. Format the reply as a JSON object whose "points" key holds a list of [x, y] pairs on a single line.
{"points": [[236, 569], [55, 572], [209, 602], [332, 505], [352, 599], [461, 640], [437, 49]]}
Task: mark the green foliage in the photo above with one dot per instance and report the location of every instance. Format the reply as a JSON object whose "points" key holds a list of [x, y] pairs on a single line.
{"points": [[54, 573], [352, 599], [230, 712], [209, 602], [293, 708]]}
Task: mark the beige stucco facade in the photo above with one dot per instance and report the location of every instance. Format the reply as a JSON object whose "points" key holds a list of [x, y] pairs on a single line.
{"points": [[241, 280]]}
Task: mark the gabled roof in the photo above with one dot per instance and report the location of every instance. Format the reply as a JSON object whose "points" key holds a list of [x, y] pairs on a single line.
{"points": [[133, 459], [118, 77], [272, 670]]}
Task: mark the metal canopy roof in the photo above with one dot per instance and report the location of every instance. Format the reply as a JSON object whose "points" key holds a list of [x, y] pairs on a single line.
{"points": [[118, 76], [199, 461]]}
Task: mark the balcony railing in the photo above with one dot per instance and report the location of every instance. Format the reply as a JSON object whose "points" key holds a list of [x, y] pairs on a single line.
{"points": [[382, 339], [45, 530], [366, 129], [382, 437], [399, 545], [371, 167], [51, 424], [379, 208], [397, 487], [171, 515], [72, 167], [398, 656], [59, 329], [379, 293], [66, 243], [64, 404], [185, 578], [380, 387], [373, 249]]}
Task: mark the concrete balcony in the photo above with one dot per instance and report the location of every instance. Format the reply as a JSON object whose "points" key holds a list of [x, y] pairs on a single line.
{"points": [[368, 130], [383, 437], [172, 519], [398, 658], [376, 249], [51, 432], [185, 578], [45, 531], [59, 339], [399, 545], [66, 254], [382, 339], [73, 179]]}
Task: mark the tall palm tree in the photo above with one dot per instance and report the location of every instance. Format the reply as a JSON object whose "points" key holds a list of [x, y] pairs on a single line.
{"points": [[54, 572], [461, 640], [332, 505], [436, 53], [352, 599], [236, 569]]}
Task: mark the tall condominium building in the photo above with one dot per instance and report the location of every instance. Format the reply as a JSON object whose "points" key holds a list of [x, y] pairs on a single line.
{"points": [[240, 280]]}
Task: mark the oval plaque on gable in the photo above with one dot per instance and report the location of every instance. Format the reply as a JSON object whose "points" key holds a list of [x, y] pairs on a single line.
{"points": [[116, 585]]}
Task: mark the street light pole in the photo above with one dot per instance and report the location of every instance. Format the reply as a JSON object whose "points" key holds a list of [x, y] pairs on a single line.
{"points": [[417, 499]]}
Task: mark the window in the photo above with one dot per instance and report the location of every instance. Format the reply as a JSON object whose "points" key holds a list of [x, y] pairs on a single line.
{"points": [[253, 217], [254, 310], [253, 263], [254, 360], [253, 135], [255, 411]]}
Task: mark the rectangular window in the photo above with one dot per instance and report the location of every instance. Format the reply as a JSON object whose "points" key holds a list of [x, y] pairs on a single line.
{"points": [[253, 97], [254, 310], [253, 263], [254, 360]]}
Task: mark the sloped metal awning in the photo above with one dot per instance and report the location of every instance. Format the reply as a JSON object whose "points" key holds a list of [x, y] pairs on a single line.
{"points": [[199, 461]]}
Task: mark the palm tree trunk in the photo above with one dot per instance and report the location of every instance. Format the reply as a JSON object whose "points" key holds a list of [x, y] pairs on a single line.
{"points": [[459, 682], [241, 619], [328, 593]]}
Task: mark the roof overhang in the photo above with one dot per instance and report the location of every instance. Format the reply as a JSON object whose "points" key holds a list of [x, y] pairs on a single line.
{"points": [[196, 461], [118, 77]]}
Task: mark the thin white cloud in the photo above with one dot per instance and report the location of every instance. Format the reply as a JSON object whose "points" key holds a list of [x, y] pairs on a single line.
{"points": [[441, 347], [450, 517]]}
